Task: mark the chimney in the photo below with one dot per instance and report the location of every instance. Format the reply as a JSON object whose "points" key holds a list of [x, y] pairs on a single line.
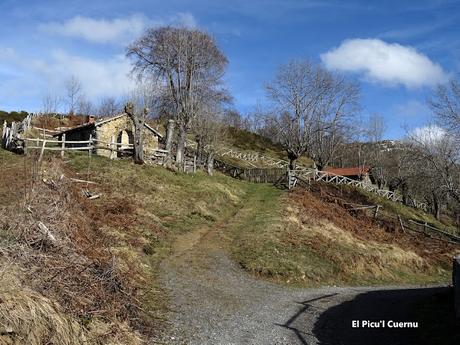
{"points": [[90, 119]]}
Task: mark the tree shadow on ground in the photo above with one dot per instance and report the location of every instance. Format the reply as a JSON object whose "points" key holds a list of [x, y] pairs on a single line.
{"points": [[432, 308]]}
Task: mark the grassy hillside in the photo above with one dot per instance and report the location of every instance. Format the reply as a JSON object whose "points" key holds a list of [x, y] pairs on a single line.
{"points": [[311, 239], [249, 142], [114, 244]]}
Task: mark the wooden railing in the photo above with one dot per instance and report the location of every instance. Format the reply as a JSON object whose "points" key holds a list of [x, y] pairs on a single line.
{"points": [[249, 157], [301, 172], [57, 145], [90, 145], [328, 177]]}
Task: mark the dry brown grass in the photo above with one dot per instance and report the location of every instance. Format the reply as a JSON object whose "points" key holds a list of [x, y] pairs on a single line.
{"points": [[27, 317], [52, 122], [73, 271], [360, 248], [331, 203]]}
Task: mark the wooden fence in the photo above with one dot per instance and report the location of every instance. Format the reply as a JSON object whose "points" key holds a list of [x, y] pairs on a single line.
{"points": [[279, 168], [293, 176], [328, 177], [409, 225], [252, 174], [11, 134], [249, 157], [51, 144]]}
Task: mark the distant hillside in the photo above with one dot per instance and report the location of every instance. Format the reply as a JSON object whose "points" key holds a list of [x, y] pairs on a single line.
{"points": [[12, 116], [246, 141]]}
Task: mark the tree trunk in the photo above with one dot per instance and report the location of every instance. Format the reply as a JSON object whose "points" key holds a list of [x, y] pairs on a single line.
{"points": [[138, 143], [181, 145], [138, 121], [405, 193], [436, 207], [210, 163], [169, 136], [319, 167], [199, 149], [292, 160]]}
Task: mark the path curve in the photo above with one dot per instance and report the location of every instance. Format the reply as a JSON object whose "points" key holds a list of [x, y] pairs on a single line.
{"points": [[213, 301]]}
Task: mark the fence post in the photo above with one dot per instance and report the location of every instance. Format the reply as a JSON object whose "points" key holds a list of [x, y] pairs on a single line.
{"points": [[401, 223], [42, 150], [376, 211], [62, 145], [4, 133], [25, 147], [90, 144]]}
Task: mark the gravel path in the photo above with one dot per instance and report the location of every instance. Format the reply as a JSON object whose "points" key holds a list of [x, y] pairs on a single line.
{"points": [[213, 301]]}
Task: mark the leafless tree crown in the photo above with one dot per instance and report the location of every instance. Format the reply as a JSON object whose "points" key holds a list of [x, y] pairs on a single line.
{"points": [[190, 65], [310, 108]]}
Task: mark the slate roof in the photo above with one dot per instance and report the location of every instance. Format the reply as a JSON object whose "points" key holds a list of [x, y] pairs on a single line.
{"points": [[101, 122]]}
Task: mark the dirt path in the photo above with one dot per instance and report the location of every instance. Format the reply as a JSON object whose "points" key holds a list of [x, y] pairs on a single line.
{"points": [[213, 301]]}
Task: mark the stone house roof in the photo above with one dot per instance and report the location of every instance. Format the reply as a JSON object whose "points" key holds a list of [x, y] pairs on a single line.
{"points": [[104, 121]]}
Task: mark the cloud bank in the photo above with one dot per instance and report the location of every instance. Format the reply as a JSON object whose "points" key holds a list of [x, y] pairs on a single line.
{"points": [[428, 135], [100, 77], [389, 63], [113, 31]]}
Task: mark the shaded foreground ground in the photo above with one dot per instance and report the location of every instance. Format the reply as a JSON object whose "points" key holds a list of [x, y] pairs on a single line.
{"points": [[213, 301]]}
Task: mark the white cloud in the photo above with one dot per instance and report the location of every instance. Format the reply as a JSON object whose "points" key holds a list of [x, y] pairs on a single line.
{"points": [[116, 30], [390, 63], [428, 135], [98, 30], [99, 77]]}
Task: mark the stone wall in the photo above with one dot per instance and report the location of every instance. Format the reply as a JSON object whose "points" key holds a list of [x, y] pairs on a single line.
{"points": [[112, 129]]}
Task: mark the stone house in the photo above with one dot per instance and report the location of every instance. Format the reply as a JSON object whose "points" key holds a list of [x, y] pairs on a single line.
{"points": [[118, 130]]}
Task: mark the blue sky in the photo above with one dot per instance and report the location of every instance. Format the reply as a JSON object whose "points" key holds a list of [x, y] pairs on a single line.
{"points": [[397, 50]]}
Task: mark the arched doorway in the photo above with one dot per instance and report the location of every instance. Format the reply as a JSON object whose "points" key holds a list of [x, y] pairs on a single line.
{"points": [[125, 141]]}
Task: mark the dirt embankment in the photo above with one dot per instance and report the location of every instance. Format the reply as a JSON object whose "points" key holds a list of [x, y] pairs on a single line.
{"points": [[66, 276], [325, 202]]}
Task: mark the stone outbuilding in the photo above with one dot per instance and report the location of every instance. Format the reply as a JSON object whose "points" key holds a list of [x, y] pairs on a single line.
{"points": [[115, 132]]}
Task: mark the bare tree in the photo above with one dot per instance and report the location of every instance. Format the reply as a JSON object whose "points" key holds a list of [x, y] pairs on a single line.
{"points": [[143, 100], [311, 106], [84, 106], [445, 104], [439, 157], [374, 132], [209, 131], [50, 104], [109, 106], [375, 128], [233, 118], [188, 62], [73, 88]]}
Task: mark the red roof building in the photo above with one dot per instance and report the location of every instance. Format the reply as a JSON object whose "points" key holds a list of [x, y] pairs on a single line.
{"points": [[349, 172]]}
